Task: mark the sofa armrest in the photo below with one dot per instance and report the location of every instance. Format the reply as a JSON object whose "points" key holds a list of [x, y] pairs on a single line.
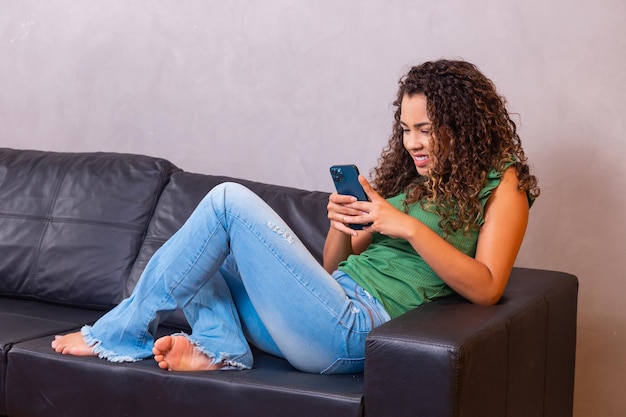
{"points": [[451, 358]]}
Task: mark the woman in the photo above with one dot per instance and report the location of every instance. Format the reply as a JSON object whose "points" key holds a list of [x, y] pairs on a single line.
{"points": [[448, 212]]}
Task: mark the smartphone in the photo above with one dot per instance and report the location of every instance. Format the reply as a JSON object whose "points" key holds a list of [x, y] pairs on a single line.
{"points": [[346, 180]]}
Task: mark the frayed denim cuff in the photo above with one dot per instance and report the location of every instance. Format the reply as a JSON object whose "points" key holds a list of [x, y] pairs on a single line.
{"points": [[222, 358], [101, 351]]}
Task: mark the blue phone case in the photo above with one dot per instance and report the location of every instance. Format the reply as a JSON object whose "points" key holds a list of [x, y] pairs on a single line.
{"points": [[346, 180]]}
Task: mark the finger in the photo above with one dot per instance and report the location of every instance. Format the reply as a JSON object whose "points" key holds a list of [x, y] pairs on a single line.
{"points": [[342, 227], [361, 218], [341, 198], [368, 189], [344, 216]]}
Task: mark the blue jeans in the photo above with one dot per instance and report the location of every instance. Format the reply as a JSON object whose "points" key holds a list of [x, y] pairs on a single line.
{"points": [[240, 274]]}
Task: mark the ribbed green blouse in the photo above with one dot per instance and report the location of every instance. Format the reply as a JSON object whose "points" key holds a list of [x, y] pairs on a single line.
{"points": [[393, 272]]}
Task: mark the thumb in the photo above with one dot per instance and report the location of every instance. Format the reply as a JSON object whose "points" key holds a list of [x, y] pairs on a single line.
{"points": [[368, 189]]}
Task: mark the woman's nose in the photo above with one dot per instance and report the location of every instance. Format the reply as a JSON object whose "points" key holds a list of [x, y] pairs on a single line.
{"points": [[413, 141]]}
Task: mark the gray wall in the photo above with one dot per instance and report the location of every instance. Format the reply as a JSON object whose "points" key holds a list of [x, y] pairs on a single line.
{"points": [[278, 90]]}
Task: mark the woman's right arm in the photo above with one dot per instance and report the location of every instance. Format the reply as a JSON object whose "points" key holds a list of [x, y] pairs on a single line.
{"points": [[341, 241]]}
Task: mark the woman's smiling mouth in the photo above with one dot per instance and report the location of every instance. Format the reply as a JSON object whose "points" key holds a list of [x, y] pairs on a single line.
{"points": [[421, 161]]}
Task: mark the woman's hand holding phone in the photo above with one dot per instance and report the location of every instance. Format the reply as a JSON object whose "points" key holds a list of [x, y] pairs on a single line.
{"points": [[349, 191], [356, 206]]}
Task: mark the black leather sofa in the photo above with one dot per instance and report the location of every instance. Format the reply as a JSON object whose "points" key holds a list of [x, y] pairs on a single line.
{"points": [[77, 229]]}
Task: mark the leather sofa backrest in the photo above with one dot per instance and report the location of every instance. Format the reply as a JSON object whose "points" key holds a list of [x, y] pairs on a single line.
{"points": [[304, 211], [72, 224]]}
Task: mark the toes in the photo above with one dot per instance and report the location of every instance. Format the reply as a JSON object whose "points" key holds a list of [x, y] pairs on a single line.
{"points": [[55, 342], [163, 344], [160, 360]]}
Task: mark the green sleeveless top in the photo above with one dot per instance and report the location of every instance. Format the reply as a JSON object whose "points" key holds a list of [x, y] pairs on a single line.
{"points": [[391, 270]]}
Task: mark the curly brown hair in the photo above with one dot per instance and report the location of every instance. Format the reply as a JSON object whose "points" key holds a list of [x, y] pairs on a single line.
{"points": [[467, 112]]}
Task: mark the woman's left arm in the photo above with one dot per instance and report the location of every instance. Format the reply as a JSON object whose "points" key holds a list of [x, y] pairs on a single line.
{"points": [[501, 236], [481, 279]]}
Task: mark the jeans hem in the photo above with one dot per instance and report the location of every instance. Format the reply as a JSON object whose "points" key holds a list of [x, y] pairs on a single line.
{"points": [[222, 358], [101, 351]]}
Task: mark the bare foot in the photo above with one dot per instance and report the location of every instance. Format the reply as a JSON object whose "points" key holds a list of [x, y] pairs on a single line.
{"points": [[177, 353], [72, 344]]}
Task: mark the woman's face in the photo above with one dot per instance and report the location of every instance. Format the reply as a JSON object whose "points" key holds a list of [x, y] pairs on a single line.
{"points": [[417, 131]]}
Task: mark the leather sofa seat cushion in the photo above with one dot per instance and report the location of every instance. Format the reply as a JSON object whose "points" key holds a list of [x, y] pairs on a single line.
{"points": [[86, 386], [22, 320]]}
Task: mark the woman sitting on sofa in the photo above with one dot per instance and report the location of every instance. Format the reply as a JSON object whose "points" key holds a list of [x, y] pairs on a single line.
{"points": [[448, 212]]}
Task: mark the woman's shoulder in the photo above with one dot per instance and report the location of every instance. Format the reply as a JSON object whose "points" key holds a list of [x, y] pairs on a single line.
{"points": [[509, 180]]}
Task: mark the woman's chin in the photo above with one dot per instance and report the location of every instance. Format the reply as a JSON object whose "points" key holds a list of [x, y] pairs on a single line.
{"points": [[422, 170]]}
